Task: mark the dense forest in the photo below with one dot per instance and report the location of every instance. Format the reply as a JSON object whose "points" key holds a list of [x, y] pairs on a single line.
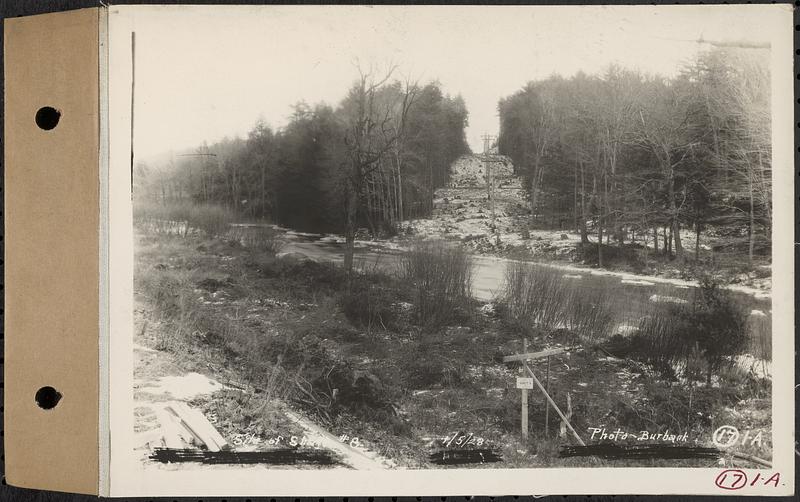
{"points": [[371, 161], [623, 156]]}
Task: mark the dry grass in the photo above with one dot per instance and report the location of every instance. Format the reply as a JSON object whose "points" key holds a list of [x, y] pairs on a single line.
{"points": [[182, 217], [536, 295], [441, 275], [760, 327], [260, 238]]}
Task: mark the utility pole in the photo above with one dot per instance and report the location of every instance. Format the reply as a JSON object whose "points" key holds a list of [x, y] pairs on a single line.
{"points": [[490, 179]]}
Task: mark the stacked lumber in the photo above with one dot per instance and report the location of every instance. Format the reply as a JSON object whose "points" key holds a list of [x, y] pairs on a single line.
{"points": [[183, 427]]}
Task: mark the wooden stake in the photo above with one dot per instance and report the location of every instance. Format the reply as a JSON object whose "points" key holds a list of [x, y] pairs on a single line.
{"points": [[547, 408], [525, 397]]}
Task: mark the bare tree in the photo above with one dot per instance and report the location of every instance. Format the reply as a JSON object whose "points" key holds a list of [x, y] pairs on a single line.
{"points": [[373, 129], [663, 129]]}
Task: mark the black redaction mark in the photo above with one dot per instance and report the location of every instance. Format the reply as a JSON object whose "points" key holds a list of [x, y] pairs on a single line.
{"points": [[459, 456], [283, 456], [639, 451]]}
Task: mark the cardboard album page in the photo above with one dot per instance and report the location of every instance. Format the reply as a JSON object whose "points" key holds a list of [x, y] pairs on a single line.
{"points": [[52, 252], [417, 250]]}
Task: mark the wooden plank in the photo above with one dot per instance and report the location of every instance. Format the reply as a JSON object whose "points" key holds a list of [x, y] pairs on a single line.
{"points": [[170, 432], [198, 425], [533, 355]]}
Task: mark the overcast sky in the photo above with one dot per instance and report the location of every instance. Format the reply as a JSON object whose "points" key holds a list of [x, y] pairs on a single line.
{"points": [[203, 73]]}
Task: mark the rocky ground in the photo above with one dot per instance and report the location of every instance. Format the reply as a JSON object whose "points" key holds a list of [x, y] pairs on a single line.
{"points": [[465, 212]]}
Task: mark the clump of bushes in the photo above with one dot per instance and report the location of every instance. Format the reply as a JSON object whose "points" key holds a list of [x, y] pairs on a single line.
{"points": [[180, 217], [316, 375], [711, 329], [441, 276], [260, 238], [369, 303], [441, 360], [539, 296]]}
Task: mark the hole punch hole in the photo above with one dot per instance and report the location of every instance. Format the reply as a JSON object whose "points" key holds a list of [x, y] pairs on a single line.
{"points": [[47, 398], [47, 118]]}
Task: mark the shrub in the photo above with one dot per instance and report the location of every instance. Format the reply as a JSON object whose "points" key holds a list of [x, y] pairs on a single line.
{"points": [[369, 304], [712, 327], [441, 275], [179, 217], [318, 376], [719, 325], [537, 295], [589, 314], [214, 220], [260, 238], [534, 294], [432, 365]]}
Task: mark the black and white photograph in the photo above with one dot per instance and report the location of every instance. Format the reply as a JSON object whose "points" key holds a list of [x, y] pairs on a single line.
{"points": [[436, 238]]}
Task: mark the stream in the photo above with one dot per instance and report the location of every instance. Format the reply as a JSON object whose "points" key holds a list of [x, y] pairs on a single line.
{"points": [[631, 296]]}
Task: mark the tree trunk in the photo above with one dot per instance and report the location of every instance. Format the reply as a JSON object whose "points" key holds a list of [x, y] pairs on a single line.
{"points": [[351, 207], [263, 197], [575, 202], [646, 250], [430, 186], [400, 213], [534, 202], [655, 239], [673, 210], [584, 215], [600, 239], [669, 240], [697, 243], [676, 235]]}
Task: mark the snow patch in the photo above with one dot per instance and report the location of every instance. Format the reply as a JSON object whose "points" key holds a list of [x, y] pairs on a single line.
{"points": [[637, 282], [667, 299], [186, 387]]}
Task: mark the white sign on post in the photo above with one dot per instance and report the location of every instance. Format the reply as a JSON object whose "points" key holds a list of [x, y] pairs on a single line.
{"points": [[524, 383]]}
